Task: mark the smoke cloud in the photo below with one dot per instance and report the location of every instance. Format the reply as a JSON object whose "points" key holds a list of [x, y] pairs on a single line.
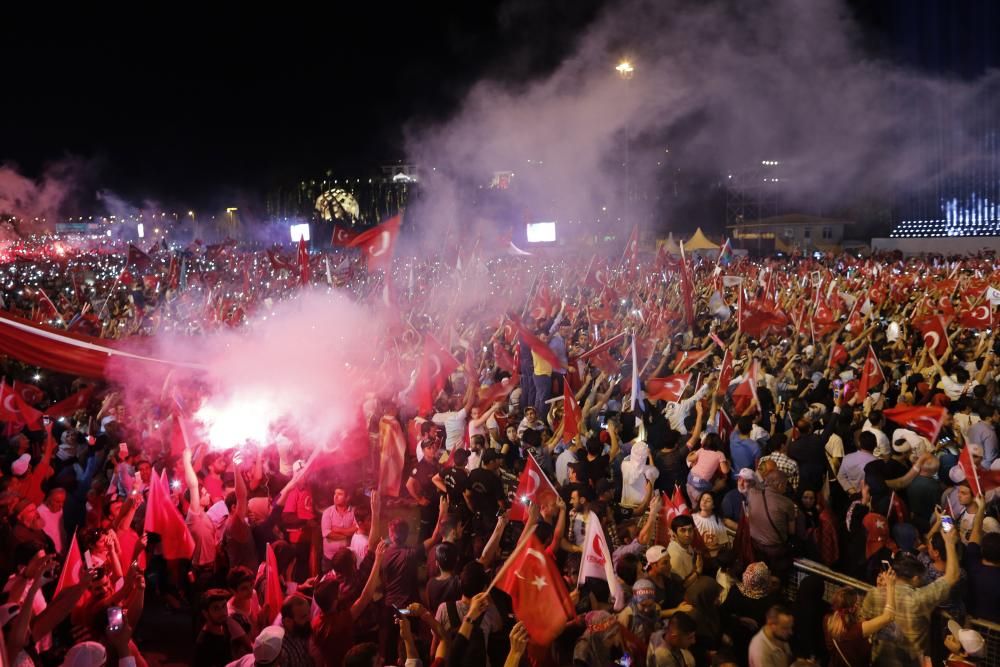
{"points": [[38, 204], [306, 363], [718, 87]]}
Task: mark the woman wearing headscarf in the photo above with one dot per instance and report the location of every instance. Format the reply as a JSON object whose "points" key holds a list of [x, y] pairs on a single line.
{"points": [[642, 615], [601, 643], [704, 595], [747, 604]]}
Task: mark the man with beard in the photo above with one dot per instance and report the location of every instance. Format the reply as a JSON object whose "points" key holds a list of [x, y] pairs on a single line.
{"points": [[296, 617], [221, 636]]}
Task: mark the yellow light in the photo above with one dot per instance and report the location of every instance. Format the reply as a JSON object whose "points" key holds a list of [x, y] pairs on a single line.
{"points": [[625, 69]]}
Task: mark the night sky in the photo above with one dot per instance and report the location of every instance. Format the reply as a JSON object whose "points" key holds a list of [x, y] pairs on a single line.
{"points": [[183, 106]]}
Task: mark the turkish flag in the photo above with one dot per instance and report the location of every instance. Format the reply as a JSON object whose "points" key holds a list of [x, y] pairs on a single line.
{"points": [[498, 391], [29, 392], [759, 320], [70, 575], [925, 420], [164, 519], [68, 406], [935, 334], [536, 588], [377, 243], [688, 358], [571, 414], [543, 306], [29, 415], [746, 392], [503, 357], [838, 355], [871, 374], [980, 317], [138, 258], [537, 346], [303, 260], [980, 480], [669, 389], [277, 261], [725, 372], [342, 237], [392, 453], [436, 366], [46, 309], [533, 487], [273, 595]]}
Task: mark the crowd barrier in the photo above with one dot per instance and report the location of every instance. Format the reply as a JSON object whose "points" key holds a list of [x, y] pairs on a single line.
{"points": [[835, 580]]}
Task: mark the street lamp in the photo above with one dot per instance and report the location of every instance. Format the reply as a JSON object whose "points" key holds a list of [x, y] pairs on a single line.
{"points": [[626, 71]]}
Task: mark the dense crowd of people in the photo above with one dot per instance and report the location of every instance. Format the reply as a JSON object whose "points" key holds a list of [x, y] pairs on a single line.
{"points": [[656, 440]]}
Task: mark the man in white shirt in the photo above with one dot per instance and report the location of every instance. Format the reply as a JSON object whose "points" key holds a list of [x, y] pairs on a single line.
{"points": [[874, 425], [852, 468], [51, 512], [638, 475], [454, 420], [677, 411], [567, 456], [338, 525]]}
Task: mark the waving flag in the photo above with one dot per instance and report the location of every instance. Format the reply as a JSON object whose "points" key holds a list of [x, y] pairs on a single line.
{"points": [[925, 420], [537, 591], [436, 366], [871, 374], [669, 389], [378, 243], [935, 334], [70, 575], [533, 488], [164, 519], [725, 372], [303, 260], [571, 414], [68, 406], [342, 237], [392, 452], [980, 317], [538, 346], [273, 595]]}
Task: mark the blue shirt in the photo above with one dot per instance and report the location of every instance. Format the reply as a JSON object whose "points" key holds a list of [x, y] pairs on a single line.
{"points": [[745, 452]]}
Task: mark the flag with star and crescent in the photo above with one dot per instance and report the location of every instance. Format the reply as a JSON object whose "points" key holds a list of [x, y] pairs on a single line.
{"points": [[536, 588]]}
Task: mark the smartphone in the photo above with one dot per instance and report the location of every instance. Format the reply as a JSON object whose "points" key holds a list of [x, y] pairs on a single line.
{"points": [[602, 421], [886, 566], [115, 618], [947, 524], [402, 612], [624, 661]]}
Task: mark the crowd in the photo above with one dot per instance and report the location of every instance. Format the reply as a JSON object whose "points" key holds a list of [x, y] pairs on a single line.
{"points": [[624, 475]]}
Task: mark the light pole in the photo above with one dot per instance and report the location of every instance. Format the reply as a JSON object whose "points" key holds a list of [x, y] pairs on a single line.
{"points": [[626, 71]]}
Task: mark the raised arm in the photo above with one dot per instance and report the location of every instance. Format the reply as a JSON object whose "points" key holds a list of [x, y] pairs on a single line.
{"points": [[192, 481]]}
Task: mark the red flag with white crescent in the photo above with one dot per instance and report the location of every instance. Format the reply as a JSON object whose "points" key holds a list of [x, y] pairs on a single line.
{"points": [[538, 594], [378, 243], [669, 389], [980, 317], [533, 488], [925, 420], [871, 374], [935, 334]]}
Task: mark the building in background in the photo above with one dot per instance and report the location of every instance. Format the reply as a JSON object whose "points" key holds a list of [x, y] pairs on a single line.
{"points": [[789, 233]]}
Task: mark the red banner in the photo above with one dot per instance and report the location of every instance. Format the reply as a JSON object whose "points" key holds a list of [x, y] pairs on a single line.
{"points": [[66, 352]]}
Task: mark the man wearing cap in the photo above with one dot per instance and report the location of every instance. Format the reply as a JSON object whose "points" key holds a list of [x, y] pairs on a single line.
{"points": [[266, 648], [29, 527], [962, 645], [668, 586], [27, 481]]}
